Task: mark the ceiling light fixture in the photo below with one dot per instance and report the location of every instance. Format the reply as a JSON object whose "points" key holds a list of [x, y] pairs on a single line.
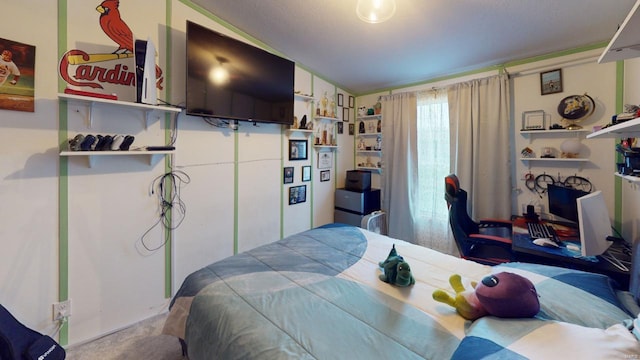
{"points": [[375, 11]]}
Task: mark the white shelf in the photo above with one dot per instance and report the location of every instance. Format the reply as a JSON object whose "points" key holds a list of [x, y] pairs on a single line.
{"points": [[556, 159], [304, 97], [369, 134], [629, 128], [370, 117], [628, 177], [368, 168], [558, 131], [306, 131], [91, 101], [626, 41], [91, 155], [325, 146], [325, 118], [371, 152]]}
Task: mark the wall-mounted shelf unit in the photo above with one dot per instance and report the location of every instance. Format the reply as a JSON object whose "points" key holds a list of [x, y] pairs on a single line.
{"points": [[91, 102], [325, 147], [92, 155], [368, 149], [629, 128]]}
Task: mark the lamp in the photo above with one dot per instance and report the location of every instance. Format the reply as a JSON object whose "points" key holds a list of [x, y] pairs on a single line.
{"points": [[375, 11]]}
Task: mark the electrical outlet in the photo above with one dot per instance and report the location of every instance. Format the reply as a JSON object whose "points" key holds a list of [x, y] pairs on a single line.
{"points": [[61, 310]]}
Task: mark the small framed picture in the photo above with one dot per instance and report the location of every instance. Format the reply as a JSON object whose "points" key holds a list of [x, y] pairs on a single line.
{"points": [[340, 128], [288, 175], [340, 100], [533, 120], [352, 102], [297, 194], [298, 150], [345, 114], [551, 82], [351, 128], [325, 160], [306, 173], [325, 175]]}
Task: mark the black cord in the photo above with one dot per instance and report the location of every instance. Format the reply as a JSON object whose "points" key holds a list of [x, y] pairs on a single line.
{"points": [[174, 181]]}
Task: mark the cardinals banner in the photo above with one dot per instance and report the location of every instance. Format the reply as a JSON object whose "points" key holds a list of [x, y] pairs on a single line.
{"points": [[103, 64]]}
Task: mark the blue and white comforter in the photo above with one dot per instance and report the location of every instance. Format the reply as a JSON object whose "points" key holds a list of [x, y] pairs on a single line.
{"points": [[316, 295]]}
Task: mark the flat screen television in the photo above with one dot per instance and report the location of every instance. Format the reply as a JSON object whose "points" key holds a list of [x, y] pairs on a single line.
{"points": [[230, 79], [562, 202]]}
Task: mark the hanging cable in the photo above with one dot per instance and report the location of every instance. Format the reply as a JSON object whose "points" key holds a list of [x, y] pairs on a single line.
{"points": [[171, 208]]}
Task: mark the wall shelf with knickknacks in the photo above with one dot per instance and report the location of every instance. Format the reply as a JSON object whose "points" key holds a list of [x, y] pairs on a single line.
{"points": [[369, 142]]}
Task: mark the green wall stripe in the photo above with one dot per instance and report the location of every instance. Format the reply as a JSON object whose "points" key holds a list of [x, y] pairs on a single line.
{"points": [[617, 181], [168, 160], [63, 180], [236, 158]]}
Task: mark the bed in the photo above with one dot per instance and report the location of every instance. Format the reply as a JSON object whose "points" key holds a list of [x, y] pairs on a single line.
{"points": [[317, 295]]}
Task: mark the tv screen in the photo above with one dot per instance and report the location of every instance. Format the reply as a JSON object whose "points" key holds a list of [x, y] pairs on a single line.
{"points": [[230, 79], [562, 201]]}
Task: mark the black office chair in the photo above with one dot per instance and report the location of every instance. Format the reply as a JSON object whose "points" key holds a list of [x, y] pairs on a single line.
{"points": [[487, 241]]}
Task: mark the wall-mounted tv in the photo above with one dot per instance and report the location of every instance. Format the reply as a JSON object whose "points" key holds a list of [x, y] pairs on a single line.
{"points": [[230, 79]]}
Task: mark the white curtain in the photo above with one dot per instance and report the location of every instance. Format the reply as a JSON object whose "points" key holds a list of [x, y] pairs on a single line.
{"points": [[399, 159], [432, 216], [479, 130]]}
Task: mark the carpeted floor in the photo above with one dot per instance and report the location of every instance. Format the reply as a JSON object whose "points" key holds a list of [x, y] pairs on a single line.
{"points": [[139, 342]]}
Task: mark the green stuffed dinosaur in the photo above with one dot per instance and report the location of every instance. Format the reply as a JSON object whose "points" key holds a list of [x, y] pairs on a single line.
{"points": [[396, 271]]}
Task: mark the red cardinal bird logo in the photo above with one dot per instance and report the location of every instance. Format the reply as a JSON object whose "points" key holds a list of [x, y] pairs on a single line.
{"points": [[115, 28]]}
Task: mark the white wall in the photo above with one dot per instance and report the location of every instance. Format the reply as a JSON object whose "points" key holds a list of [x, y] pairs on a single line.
{"points": [[580, 74], [235, 199]]}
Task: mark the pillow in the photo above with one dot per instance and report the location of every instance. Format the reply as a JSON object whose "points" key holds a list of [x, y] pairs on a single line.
{"points": [[541, 339], [572, 296]]}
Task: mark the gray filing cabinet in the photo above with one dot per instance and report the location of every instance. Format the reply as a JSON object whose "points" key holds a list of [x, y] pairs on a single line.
{"points": [[352, 206]]}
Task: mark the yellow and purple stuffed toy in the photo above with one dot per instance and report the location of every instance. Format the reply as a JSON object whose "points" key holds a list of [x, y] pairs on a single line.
{"points": [[504, 294]]}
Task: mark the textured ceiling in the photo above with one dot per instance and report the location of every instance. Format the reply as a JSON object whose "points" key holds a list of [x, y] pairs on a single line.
{"points": [[425, 39]]}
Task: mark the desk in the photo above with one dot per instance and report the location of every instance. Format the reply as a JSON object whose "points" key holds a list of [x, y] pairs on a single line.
{"points": [[526, 251]]}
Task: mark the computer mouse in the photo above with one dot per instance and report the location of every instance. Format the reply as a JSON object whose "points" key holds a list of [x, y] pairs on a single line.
{"points": [[545, 242], [573, 247]]}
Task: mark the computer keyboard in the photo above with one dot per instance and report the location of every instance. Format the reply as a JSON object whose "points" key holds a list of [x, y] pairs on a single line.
{"points": [[538, 230]]}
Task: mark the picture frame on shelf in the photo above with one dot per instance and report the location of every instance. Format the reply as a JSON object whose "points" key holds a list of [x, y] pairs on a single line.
{"points": [[352, 102], [297, 194], [288, 175], [551, 82], [345, 114], [340, 100], [325, 175], [306, 173], [325, 159], [298, 150], [533, 120]]}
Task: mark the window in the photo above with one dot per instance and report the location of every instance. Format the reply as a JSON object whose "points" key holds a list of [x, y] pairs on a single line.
{"points": [[433, 165]]}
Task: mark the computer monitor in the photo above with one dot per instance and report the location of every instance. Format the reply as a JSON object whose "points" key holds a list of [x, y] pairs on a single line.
{"points": [[594, 224], [562, 201]]}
